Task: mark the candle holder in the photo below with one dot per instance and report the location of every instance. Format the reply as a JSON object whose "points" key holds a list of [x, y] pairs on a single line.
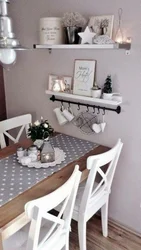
{"points": [[119, 33]]}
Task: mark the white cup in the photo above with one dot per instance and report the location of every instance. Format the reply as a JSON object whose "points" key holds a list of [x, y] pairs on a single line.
{"points": [[69, 116], [60, 117], [112, 96]]}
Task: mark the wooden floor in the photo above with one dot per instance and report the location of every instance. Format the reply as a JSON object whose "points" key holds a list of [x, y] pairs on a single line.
{"points": [[118, 239]]}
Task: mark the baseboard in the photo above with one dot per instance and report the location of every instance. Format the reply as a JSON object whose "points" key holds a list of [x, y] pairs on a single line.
{"points": [[117, 224], [122, 226]]}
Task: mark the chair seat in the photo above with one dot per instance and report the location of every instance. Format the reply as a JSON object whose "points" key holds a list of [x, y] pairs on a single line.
{"points": [[18, 241], [80, 194]]}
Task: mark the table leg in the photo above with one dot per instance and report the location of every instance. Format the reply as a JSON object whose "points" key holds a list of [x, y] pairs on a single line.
{"points": [[1, 245]]}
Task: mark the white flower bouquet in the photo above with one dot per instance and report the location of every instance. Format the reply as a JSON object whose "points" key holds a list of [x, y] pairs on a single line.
{"points": [[40, 130], [73, 19]]}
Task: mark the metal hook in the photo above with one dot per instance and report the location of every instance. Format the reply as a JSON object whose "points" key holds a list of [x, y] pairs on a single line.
{"points": [[62, 106], [94, 109], [78, 106], [87, 108], [98, 110], [103, 111]]}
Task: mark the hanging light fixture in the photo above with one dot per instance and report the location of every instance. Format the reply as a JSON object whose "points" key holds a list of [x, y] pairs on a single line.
{"points": [[8, 42]]}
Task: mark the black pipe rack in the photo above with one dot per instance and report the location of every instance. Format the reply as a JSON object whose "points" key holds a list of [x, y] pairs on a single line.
{"points": [[117, 110]]}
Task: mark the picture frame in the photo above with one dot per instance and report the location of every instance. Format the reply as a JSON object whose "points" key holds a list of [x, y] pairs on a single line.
{"points": [[102, 25], [51, 81], [84, 76], [68, 83]]}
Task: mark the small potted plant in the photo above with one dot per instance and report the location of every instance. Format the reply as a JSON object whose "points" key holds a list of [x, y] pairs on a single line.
{"points": [[40, 131], [96, 91], [73, 22], [107, 90]]}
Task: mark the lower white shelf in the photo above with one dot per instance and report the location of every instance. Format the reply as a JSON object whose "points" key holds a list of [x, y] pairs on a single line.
{"points": [[95, 101]]}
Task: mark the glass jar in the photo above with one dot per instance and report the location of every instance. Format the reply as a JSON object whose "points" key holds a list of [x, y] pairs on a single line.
{"points": [[20, 152], [33, 153]]}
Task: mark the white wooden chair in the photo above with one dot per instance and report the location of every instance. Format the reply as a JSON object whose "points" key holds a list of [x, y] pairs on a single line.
{"points": [[22, 121], [93, 196], [46, 230]]}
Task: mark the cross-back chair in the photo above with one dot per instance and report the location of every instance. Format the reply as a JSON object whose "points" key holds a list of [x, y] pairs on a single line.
{"points": [[48, 231], [93, 195], [22, 121]]}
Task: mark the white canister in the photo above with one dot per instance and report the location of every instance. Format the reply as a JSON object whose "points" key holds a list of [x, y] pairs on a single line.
{"points": [[51, 30]]}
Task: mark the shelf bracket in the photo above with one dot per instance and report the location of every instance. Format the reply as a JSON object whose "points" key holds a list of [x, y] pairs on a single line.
{"points": [[54, 99], [50, 50]]}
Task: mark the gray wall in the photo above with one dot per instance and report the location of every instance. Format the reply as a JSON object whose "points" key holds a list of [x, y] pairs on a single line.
{"points": [[27, 81]]}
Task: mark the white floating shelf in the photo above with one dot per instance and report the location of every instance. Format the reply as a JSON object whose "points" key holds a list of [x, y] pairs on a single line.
{"points": [[78, 98], [125, 46]]}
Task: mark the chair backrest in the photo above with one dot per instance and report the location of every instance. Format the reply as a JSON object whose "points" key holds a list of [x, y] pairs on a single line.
{"points": [[38, 209], [22, 121], [95, 163]]}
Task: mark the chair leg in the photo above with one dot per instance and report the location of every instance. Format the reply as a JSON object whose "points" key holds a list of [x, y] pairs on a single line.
{"points": [[104, 217], [66, 247], [82, 234]]}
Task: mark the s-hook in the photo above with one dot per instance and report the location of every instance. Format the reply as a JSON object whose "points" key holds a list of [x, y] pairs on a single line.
{"points": [[78, 106], [98, 108], [87, 108], [94, 109], [103, 111], [69, 105], [62, 106]]}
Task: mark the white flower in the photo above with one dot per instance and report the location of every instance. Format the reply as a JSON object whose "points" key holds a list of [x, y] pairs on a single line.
{"points": [[45, 125], [37, 123]]}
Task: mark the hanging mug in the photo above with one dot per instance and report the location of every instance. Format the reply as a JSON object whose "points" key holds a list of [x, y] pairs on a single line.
{"points": [[60, 117]]}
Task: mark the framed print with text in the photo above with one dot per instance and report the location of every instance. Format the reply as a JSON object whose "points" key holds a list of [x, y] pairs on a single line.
{"points": [[84, 75]]}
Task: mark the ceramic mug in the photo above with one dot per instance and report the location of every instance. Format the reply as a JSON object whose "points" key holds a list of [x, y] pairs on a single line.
{"points": [[103, 123], [68, 115], [60, 117], [112, 96]]}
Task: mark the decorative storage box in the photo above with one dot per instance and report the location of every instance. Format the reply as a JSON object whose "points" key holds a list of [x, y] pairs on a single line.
{"points": [[51, 30]]}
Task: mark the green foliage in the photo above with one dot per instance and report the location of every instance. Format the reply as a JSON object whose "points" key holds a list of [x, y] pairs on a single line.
{"points": [[108, 85], [40, 130]]}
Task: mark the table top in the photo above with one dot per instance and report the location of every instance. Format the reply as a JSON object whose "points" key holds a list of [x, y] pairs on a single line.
{"points": [[15, 207]]}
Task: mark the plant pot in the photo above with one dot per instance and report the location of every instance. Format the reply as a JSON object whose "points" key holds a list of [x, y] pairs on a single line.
{"points": [[112, 96], [96, 93], [72, 36]]}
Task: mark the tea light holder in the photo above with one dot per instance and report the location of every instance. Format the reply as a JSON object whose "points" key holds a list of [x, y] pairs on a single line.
{"points": [[58, 86]]}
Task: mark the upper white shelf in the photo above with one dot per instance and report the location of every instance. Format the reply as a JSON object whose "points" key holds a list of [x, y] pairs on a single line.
{"points": [[125, 46], [96, 101]]}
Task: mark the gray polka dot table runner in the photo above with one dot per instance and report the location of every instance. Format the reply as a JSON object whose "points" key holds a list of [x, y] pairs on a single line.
{"points": [[15, 179]]}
